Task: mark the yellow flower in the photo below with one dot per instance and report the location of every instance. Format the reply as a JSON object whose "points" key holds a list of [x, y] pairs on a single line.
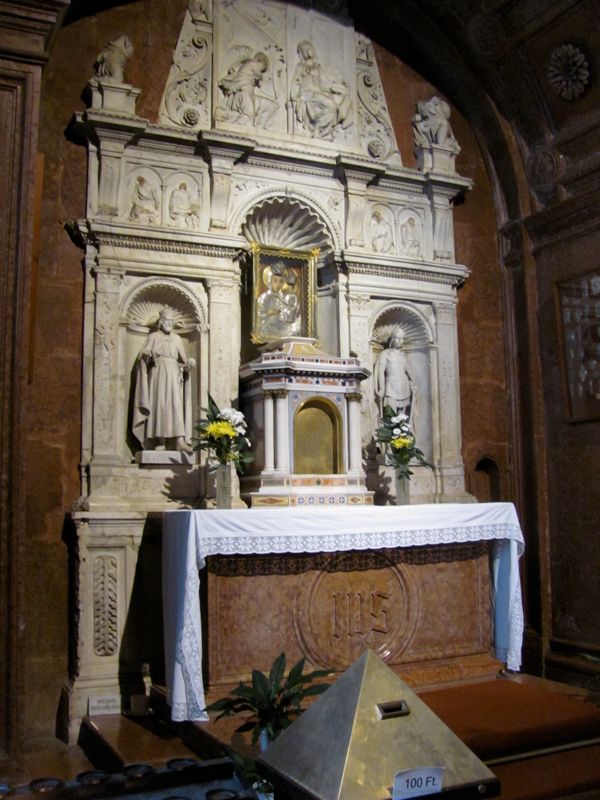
{"points": [[217, 430], [401, 442]]}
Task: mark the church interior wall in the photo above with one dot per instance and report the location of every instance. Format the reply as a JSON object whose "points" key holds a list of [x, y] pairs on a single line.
{"points": [[55, 392]]}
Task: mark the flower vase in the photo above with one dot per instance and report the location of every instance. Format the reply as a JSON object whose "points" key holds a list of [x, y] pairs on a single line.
{"points": [[224, 485], [402, 486]]}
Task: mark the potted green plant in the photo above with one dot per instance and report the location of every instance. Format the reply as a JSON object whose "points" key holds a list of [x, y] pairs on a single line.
{"points": [[273, 701]]}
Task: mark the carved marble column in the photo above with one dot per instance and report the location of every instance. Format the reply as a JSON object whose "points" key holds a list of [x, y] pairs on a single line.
{"points": [[354, 434], [450, 471], [269, 442], [106, 331], [223, 310], [282, 439]]}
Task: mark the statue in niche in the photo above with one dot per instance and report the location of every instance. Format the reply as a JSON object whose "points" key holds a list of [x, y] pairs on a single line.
{"points": [[382, 236], [278, 307], [183, 211], [243, 103], [110, 64], [431, 123], [320, 103], [145, 202], [162, 407], [394, 386], [410, 242]]}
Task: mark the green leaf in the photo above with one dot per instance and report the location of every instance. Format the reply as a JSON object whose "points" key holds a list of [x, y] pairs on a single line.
{"points": [[277, 672], [295, 674], [213, 408], [260, 685]]}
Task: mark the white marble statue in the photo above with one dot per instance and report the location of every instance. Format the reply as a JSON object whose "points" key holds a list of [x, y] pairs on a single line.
{"points": [[162, 411], [320, 103], [145, 202], [278, 307], [431, 123], [382, 236], [394, 386], [110, 64], [243, 102], [183, 211]]}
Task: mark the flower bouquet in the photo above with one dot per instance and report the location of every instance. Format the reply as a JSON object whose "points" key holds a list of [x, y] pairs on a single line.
{"points": [[223, 434], [396, 433]]}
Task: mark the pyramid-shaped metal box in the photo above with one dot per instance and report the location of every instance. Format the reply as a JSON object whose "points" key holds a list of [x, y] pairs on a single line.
{"points": [[369, 725]]}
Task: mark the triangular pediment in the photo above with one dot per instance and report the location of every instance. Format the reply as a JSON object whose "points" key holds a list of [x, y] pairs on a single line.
{"points": [[295, 75]]}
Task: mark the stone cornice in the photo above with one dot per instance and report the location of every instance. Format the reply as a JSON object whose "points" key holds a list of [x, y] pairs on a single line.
{"points": [[27, 28]]}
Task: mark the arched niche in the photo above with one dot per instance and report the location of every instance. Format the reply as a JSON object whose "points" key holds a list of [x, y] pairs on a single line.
{"points": [[139, 314], [317, 438], [486, 481], [292, 224], [418, 341]]}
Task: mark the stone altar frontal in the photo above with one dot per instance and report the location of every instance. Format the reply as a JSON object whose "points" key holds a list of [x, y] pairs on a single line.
{"points": [[426, 611], [272, 129], [413, 584]]}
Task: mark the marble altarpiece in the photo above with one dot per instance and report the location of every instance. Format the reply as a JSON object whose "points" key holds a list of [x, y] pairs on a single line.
{"points": [[273, 129]]}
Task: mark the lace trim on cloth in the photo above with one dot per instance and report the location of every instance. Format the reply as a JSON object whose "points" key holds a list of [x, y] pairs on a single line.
{"points": [[364, 540], [188, 654]]}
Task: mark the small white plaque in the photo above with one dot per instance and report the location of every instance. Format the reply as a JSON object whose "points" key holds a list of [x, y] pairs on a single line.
{"points": [[417, 782], [104, 704]]}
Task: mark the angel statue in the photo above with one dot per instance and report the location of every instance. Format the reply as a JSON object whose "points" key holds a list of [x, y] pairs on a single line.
{"points": [[110, 64]]}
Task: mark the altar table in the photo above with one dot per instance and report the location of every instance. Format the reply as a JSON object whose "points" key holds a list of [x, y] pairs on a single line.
{"points": [[190, 536]]}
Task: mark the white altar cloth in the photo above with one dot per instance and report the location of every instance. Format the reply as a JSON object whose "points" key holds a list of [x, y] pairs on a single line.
{"points": [[190, 536]]}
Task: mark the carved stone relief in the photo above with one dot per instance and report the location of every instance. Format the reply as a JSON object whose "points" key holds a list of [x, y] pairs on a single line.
{"points": [[183, 202], [381, 232], [105, 611], [250, 65], [375, 127], [410, 234], [334, 625], [144, 196], [321, 102], [186, 99]]}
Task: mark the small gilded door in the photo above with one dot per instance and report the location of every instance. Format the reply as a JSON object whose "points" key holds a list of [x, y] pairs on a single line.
{"points": [[317, 438]]}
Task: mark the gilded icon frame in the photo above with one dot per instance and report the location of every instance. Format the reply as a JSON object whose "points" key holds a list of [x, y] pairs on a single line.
{"points": [[283, 293]]}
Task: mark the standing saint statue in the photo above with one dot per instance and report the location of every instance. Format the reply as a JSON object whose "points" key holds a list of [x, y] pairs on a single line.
{"points": [[394, 386], [162, 410]]}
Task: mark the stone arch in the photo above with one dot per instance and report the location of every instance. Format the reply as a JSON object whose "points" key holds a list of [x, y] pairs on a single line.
{"points": [[139, 311], [317, 421], [287, 222]]}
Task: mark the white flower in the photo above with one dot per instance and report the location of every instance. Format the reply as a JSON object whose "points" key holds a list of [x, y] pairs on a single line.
{"points": [[397, 431]]}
